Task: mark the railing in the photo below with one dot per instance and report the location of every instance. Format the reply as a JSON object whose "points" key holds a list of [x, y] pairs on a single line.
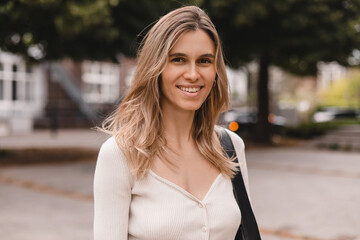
{"points": [[68, 82]]}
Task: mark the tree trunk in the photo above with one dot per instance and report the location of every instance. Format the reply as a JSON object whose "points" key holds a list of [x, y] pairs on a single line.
{"points": [[263, 129]]}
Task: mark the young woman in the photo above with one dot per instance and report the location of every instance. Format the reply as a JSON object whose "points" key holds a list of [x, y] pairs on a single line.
{"points": [[163, 174]]}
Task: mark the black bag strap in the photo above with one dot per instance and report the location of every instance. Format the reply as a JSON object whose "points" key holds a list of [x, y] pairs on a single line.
{"points": [[248, 229]]}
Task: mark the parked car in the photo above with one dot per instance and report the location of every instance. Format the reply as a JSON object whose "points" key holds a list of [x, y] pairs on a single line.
{"points": [[243, 121], [333, 113]]}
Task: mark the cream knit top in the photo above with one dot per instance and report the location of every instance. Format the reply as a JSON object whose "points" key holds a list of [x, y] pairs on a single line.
{"points": [[154, 208]]}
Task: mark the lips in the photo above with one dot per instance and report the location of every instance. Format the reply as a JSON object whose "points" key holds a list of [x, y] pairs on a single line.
{"points": [[189, 89]]}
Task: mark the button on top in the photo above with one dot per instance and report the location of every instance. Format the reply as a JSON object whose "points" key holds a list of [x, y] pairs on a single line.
{"points": [[200, 205], [203, 229]]}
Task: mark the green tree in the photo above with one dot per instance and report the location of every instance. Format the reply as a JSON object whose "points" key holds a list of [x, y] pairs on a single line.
{"points": [[293, 35], [53, 29], [132, 19], [78, 29]]}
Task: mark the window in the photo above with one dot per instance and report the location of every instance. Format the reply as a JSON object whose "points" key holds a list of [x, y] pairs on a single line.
{"points": [[100, 82], [14, 68], [14, 90]]}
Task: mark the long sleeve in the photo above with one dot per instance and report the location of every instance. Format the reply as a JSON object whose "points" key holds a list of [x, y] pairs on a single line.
{"points": [[112, 193]]}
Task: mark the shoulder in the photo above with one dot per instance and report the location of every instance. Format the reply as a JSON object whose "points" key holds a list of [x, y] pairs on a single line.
{"points": [[111, 159], [109, 146], [110, 149], [236, 139], [239, 147]]}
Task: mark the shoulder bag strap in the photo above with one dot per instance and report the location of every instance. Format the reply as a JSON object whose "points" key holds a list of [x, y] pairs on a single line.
{"points": [[248, 229]]}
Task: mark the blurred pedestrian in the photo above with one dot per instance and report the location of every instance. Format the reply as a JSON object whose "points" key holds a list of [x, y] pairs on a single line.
{"points": [[163, 173]]}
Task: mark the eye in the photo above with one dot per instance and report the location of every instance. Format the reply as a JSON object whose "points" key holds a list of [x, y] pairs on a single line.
{"points": [[205, 61], [178, 60]]}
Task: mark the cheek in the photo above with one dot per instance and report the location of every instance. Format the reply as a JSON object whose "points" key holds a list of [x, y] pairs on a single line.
{"points": [[211, 74], [209, 90], [166, 76], [210, 78], [164, 85]]}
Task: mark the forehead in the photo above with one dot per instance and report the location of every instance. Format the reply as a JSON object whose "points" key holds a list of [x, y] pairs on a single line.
{"points": [[197, 41]]}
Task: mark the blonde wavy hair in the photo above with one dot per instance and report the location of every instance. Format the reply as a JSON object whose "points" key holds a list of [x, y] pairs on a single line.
{"points": [[136, 125]]}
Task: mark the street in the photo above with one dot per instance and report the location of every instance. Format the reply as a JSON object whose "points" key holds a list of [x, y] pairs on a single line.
{"points": [[306, 194]]}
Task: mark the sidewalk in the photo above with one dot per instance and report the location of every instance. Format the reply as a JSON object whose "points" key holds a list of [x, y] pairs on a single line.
{"points": [[346, 138], [297, 193], [72, 138]]}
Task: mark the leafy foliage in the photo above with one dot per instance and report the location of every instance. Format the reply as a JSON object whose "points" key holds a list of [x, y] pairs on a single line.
{"points": [[343, 92], [307, 130], [294, 34], [79, 29], [132, 19], [52, 29]]}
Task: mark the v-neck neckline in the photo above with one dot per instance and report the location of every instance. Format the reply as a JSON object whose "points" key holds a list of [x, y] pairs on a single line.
{"points": [[170, 183]]}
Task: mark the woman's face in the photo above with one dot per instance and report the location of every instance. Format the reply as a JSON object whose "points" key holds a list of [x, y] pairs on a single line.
{"points": [[190, 72]]}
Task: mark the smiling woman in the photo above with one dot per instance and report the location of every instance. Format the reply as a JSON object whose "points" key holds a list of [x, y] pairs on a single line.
{"points": [[163, 173], [189, 74]]}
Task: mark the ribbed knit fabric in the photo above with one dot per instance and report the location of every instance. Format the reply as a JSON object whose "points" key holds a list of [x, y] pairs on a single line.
{"points": [[154, 208]]}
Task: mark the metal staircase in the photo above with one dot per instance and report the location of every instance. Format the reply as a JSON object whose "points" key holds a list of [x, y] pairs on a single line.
{"points": [[68, 82]]}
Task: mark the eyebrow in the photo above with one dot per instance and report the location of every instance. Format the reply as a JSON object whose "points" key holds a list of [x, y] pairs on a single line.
{"points": [[184, 55]]}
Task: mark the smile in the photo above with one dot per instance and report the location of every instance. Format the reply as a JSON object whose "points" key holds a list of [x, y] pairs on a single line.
{"points": [[190, 89]]}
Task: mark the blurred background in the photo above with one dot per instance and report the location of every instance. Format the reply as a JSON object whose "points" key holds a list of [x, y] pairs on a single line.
{"points": [[294, 74]]}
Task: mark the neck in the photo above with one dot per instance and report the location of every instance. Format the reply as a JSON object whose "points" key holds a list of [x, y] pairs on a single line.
{"points": [[177, 126]]}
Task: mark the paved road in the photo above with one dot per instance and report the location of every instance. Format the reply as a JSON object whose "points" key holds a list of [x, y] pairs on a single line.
{"points": [[306, 194], [297, 193]]}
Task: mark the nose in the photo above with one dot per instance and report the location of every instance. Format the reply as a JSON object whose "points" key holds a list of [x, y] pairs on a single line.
{"points": [[191, 72]]}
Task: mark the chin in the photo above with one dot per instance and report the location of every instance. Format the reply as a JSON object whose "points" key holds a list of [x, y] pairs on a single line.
{"points": [[191, 107]]}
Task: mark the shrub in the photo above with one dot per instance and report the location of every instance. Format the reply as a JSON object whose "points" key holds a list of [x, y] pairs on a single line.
{"points": [[308, 130]]}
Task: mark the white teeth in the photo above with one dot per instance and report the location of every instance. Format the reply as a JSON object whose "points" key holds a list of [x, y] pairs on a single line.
{"points": [[191, 90]]}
